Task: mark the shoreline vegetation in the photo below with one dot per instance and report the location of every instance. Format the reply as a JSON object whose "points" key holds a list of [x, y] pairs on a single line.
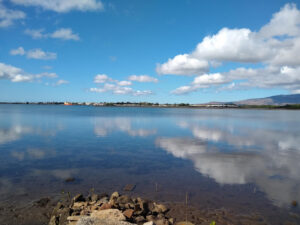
{"points": [[166, 105]]}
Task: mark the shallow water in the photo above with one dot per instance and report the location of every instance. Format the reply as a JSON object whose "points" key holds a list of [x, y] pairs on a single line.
{"points": [[243, 160]]}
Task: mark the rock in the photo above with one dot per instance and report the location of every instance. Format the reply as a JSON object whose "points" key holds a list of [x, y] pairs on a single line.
{"points": [[123, 199], [105, 206], [42, 202], [54, 220], [94, 197], [161, 222], [129, 187], [78, 205], [184, 223], [171, 221], [150, 218], [73, 218], [113, 198], [96, 221], [160, 208], [149, 223], [103, 200], [294, 203], [112, 214], [79, 198], [128, 213], [140, 219]]}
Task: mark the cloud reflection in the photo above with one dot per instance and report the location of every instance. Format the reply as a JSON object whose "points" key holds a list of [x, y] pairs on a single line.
{"points": [[268, 158], [104, 126]]}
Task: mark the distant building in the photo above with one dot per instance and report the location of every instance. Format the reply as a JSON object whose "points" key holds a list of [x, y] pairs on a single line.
{"points": [[67, 103]]}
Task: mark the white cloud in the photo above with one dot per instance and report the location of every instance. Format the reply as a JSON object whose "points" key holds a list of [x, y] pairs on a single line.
{"points": [[274, 47], [124, 83], [62, 6], [60, 82], [183, 65], [9, 16], [15, 74], [102, 78], [34, 53], [18, 51], [142, 78], [40, 54], [35, 34], [62, 33], [65, 34]]}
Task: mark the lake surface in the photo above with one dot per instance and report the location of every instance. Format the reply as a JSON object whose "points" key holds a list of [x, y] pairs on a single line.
{"points": [[244, 160]]}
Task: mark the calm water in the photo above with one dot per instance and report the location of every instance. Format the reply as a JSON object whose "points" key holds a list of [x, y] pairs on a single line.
{"points": [[245, 160]]}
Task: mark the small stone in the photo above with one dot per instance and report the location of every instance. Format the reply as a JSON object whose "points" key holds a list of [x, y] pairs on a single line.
{"points": [[94, 197], [128, 213], [94, 207], [184, 223], [73, 218], [160, 208], [77, 205], [129, 187], [123, 199], [113, 214], [150, 218], [79, 198], [54, 221], [171, 221], [140, 219], [161, 222], [149, 223], [113, 198], [105, 206]]}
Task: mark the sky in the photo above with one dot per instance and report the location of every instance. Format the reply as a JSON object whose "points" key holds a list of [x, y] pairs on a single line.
{"points": [[169, 51]]}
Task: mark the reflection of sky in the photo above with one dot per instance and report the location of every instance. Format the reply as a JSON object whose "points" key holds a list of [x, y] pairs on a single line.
{"points": [[267, 157], [229, 146]]}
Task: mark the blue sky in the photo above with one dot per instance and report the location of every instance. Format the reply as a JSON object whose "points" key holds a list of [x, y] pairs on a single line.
{"points": [[156, 51]]}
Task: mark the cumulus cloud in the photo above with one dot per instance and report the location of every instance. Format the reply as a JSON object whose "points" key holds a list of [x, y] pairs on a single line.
{"points": [[65, 34], [142, 78], [34, 53], [116, 86], [62, 33], [62, 6], [15, 74], [275, 48], [18, 51], [9, 16]]}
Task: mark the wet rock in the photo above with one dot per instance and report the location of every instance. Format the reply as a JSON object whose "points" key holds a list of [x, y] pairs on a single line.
{"points": [[79, 198], [42, 202], [294, 203], [128, 213], [129, 187], [112, 214], [70, 179]]}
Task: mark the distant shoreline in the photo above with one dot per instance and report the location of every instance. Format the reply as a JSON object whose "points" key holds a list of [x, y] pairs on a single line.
{"points": [[156, 105]]}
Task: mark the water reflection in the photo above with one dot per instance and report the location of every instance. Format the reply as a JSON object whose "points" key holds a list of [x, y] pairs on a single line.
{"points": [[104, 126], [268, 158]]}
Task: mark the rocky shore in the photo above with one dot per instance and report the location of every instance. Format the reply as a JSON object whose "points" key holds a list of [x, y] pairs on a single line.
{"points": [[111, 210]]}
